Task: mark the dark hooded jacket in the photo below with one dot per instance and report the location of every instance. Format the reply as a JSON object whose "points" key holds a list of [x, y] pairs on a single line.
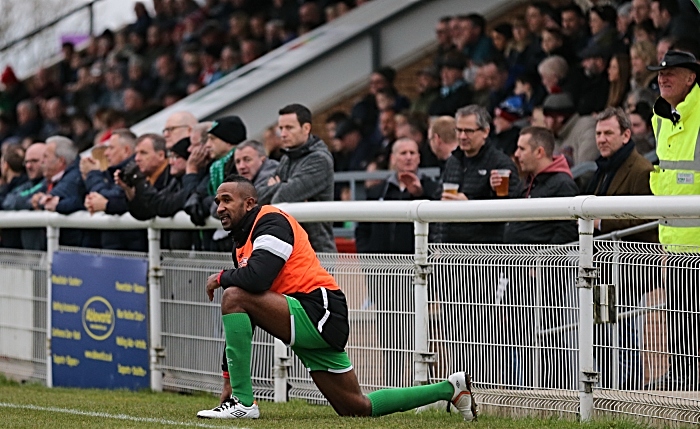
{"points": [[555, 180]]}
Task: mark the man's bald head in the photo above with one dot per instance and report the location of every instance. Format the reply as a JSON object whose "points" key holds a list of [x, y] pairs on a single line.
{"points": [[32, 160], [177, 127]]}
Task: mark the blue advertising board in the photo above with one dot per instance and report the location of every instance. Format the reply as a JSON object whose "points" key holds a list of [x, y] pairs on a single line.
{"points": [[99, 319]]}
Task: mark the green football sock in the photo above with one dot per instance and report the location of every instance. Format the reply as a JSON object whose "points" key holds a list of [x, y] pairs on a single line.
{"points": [[239, 343], [387, 401]]}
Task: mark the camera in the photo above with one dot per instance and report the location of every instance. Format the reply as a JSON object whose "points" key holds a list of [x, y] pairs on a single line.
{"points": [[131, 175]]}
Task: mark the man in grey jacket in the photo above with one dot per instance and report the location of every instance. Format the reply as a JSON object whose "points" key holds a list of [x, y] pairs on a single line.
{"points": [[305, 172]]}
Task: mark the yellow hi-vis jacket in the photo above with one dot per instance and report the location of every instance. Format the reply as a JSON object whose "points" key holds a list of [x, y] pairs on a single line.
{"points": [[678, 172]]}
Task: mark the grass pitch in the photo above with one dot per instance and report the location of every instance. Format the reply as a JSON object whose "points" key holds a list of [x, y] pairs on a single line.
{"points": [[34, 406]]}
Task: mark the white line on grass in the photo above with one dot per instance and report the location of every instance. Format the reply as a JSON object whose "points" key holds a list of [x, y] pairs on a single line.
{"points": [[110, 416]]}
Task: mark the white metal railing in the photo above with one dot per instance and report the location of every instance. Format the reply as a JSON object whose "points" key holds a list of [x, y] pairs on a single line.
{"points": [[583, 208]]}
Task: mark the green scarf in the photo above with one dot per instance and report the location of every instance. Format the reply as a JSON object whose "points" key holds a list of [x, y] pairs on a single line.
{"points": [[31, 191], [216, 172]]}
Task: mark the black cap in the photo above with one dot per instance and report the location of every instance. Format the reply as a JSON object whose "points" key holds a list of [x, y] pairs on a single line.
{"points": [[229, 129], [180, 148], [677, 59], [505, 30], [344, 128], [594, 51], [558, 103]]}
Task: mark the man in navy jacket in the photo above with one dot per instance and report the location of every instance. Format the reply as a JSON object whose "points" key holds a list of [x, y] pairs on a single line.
{"points": [[63, 190]]}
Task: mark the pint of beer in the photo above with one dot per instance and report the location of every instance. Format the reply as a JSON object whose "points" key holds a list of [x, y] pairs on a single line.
{"points": [[450, 188], [502, 189]]}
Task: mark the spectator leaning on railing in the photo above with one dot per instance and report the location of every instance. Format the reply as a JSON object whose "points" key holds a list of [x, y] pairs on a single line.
{"points": [[63, 190], [103, 195], [223, 136], [149, 174], [187, 174], [404, 184], [20, 197], [623, 171], [150, 167]]}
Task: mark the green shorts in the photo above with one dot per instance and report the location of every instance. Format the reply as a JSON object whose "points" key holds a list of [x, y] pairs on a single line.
{"points": [[307, 343]]}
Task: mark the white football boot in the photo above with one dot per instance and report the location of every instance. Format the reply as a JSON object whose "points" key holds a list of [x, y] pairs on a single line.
{"points": [[462, 398], [231, 409]]}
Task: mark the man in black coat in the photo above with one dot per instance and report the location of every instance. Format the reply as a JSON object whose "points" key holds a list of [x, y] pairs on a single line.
{"points": [[470, 168], [186, 174]]}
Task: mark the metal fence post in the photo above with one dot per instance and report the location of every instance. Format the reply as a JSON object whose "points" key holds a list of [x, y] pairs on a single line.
{"points": [[279, 371], [91, 11], [422, 356], [586, 275], [52, 234], [615, 367], [155, 273]]}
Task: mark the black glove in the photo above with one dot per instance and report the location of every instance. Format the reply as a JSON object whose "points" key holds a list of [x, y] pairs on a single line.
{"points": [[196, 209]]}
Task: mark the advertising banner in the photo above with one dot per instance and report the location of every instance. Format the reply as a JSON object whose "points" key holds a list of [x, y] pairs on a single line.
{"points": [[99, 319]]}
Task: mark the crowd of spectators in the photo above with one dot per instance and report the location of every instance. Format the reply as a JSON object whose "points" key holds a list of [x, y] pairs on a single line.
{"points": [[596, 58], [93, 95], [123, 76], [554, 68]]}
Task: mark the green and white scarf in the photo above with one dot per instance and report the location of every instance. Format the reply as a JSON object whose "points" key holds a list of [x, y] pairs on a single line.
{"points": [[216, 172]]}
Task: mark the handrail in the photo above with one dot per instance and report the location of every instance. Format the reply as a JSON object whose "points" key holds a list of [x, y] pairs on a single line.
{"points": [[52, 23], [522, 209], [628, 231]]}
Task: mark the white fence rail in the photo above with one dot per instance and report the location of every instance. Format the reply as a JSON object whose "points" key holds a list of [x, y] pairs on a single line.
{"points": [[520, 318]]}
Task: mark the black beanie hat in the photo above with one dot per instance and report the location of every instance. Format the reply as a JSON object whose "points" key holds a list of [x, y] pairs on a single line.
{"points": [[229, 129], [180, 148]]}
